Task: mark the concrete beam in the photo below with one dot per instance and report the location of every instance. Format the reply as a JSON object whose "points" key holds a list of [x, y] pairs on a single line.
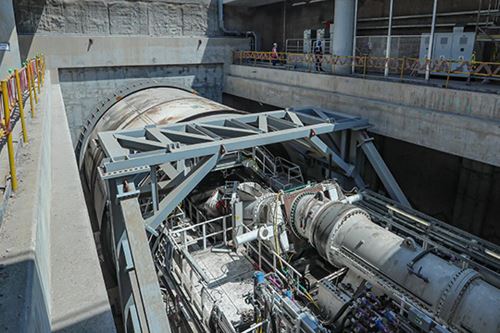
{"points": [[250, 3], [462, 123], [69, 51]]}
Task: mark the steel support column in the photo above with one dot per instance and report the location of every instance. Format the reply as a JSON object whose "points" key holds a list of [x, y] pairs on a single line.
{"points": [[389, 40], [193, 178], [343, 32], [431, 42], [355, 33], [383, 172]]}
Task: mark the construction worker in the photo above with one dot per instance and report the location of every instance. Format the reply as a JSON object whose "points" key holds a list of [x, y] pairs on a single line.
{"points": [[274, 54], [318, 55]]}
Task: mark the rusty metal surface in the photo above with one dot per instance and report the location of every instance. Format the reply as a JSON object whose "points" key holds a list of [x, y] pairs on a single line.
{"points": [[146, 106]]}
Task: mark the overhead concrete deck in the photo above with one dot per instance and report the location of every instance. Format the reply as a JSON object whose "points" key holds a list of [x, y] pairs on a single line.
{"points": [[50, 277], [462, 123]]}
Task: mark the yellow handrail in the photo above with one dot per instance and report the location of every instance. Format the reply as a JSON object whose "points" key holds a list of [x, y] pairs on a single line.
{"points": [[24, 81], [397, 65]]}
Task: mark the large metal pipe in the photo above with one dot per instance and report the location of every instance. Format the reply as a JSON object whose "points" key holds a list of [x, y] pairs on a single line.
{"points": [[146, 105], [451, 292], [343, 32]]}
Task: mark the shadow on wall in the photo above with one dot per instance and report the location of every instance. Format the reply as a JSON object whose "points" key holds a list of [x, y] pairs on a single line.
{"points": [[28, 14], [452, 189], [84, 89], [23, 301], [117, 18]]}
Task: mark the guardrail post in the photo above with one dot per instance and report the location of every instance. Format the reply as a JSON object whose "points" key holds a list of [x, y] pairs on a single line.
{"points": [[403, 64], [37, 68], [20, 103], [32, 74], [28, 79], [448, 74], [42, 66], [10, 145], [365, 64]]}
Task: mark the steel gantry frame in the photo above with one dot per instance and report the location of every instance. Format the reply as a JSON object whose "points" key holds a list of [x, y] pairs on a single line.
{"points": [[186, 153]]}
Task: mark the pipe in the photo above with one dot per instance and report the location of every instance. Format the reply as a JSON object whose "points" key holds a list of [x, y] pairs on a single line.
{"points": [[409, 26], [284, 23], [355, 34], [340, 231], [431, 42], [262, 233], [405, 17], [388, 46], [478, 17], [352, 198]]}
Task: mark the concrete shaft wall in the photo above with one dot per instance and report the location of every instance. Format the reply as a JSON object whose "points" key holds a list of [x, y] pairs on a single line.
{"points": [[8, 34], [106, 17], [84, 88], [267, 20], [456, 190], [462, 123]]}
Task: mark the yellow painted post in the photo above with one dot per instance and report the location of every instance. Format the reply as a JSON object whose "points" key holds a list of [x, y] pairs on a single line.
{"points": [[40, 66], [28, 78], [43, 70], [10, 145], [20, 103], [365, 63], [37, 68], [403, 65], [32, 74], [448, 75]]}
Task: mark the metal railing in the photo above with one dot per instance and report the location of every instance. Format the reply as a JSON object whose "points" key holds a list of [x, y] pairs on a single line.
{"points": [[20, 85], [404, 67]]}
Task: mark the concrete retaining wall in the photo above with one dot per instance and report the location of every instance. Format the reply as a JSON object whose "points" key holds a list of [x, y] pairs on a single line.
{"points": [[117, 17], [8, 34], [50, 278], [93, 67], [64, 51], [462, 123], [84, 88]]}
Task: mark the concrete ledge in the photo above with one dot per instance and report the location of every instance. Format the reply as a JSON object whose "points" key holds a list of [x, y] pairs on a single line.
{"points": [[74, 51], [467, 103], [50, 278], [79, 302], [394, 109], [24, 299]]}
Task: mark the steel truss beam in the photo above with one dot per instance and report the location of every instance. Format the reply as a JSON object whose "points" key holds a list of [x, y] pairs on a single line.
{"points": [[385, 175], [138, 151], [186, 153]]}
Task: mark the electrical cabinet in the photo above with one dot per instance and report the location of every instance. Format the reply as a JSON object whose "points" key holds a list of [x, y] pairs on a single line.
{"points": [[457, 45]]}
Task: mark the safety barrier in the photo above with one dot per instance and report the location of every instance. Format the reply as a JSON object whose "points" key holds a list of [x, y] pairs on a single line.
{"points": [[20, 85], [404, 67]]}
